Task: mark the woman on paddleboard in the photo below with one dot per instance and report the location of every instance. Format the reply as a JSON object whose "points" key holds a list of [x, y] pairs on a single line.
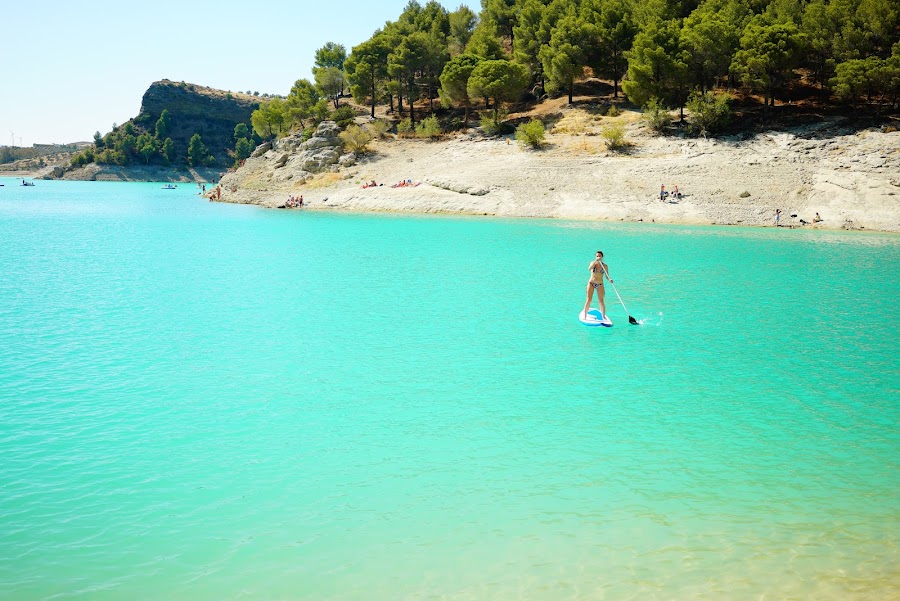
{"points": [[599, 269]]}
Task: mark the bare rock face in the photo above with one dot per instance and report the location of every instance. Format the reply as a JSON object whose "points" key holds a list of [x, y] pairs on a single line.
{"points": [[291, 159], [457, 187], [261, 150], [317, 154]]}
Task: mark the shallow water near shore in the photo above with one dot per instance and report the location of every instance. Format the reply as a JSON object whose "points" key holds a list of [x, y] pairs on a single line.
{"points": [[206, 401]]}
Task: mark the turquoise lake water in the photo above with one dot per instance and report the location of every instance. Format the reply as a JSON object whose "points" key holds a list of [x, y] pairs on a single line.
{"points": [[205, 401]]}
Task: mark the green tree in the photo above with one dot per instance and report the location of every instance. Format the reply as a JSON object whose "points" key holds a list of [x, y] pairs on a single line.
{"points": [[857, 78], [499, 80], [657, 65], [149, 147], [565, 57], [462, 23], [98, 139], [331, 55], [710, 37], [485, 42], [768, 55], [330, 82], [300, 102], [198, 153], [271, 119], [821, 29], [168, 150], [367, 69], [880, 20], [127, 146], [433, 19], [241, 131], [455, 80], [242, 149], [615, 31], [163, 124], [535, 23], [503, 14], [417, 64]]}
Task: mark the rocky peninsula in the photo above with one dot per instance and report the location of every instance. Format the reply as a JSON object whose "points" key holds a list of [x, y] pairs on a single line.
{"points": [[849, 177]]}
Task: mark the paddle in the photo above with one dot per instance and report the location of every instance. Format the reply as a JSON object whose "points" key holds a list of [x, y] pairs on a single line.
{"points": [[631, 319]]}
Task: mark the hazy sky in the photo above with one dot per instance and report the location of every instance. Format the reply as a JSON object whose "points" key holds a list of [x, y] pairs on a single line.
{"points": [[75, 67]]}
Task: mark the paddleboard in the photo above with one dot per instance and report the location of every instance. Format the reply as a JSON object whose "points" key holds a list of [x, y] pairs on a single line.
{"points": [[595, 318]]}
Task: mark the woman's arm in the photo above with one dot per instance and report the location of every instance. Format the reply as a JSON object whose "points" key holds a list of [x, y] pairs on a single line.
{"points": [[606, 272]]}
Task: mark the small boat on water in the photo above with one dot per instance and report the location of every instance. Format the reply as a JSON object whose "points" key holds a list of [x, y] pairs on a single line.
{"points": [[24, 183], [169, 187]]}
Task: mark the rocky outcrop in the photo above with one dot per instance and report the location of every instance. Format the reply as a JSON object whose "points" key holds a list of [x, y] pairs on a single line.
{"points": [[319, 153], [197, 109], [293, 159], [457, 187]]}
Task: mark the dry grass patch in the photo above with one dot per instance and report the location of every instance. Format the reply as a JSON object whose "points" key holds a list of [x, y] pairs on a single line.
{"points": [[323, 180], [577, 122], [254, 183], [581, 147]]}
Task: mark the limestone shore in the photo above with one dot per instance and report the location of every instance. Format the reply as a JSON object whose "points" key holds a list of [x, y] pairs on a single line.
{"points": [[850, 177]]}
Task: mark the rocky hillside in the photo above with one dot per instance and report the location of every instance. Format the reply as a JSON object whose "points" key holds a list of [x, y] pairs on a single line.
{"points": [[197, 109], [288, 163], [138, 149]]}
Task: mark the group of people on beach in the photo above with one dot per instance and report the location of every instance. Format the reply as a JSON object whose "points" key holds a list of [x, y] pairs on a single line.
{"points": [[371, 184], [294, 202], [405, 183], [816, 219], [664, 194]]}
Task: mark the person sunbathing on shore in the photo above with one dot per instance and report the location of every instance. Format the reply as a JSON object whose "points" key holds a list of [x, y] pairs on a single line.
{"points": [[817, 219]]}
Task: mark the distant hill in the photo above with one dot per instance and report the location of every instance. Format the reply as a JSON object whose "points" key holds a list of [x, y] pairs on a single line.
{"points": [[195, 109], [190, 110]]}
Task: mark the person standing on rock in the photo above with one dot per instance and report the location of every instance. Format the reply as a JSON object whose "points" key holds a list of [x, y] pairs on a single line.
{"points": [[777, 217], [598, 269]]}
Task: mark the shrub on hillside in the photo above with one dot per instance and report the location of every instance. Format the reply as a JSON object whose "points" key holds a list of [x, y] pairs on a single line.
{"points": [[709, 112], [343, 116], [355, 138], [531, 133], [613, 111], [614, 136], [429, 128], [493, 125], [405, 127], [656, 115], [377, 128]]}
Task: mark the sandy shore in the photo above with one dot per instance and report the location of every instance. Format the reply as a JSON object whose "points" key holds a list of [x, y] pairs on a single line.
{"points": [[851, 178]]}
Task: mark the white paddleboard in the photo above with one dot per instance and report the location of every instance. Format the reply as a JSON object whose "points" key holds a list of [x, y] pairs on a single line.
{"points": [[595, 318]]}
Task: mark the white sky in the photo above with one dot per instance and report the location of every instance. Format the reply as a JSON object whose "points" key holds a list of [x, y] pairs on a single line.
{"points": [[73, 68]]}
